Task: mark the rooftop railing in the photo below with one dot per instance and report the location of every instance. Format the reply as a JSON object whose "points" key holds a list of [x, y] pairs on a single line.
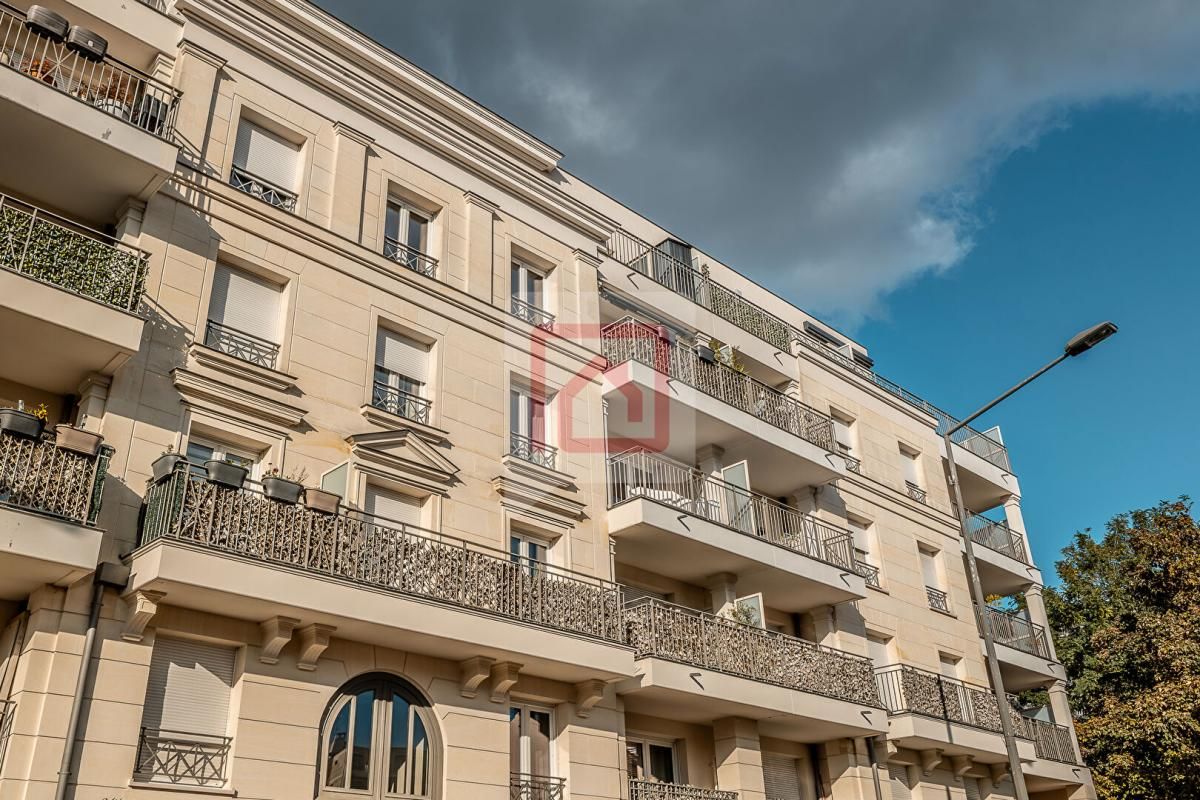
{"points": [[535, 787], [1017, 632], [1052, 741], [655, 790], [997, 536], [54, 250], [37, 475], [409, 257], [115, 88], [630, 340], [658, 629], [181, 759], [909, 690], [380, 553], [640, 474]]}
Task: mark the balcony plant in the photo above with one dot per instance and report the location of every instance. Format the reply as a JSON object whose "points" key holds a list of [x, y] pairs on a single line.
{"points": [[165, 464], [116, 97], [226, 473], [321, 500], [26, 424], [284, 488], [77, 440]]}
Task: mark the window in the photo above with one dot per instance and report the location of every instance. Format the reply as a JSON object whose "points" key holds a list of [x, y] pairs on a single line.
{"points": [[527, 285], [879, 648], [860, 532], [781, 777], [650, 761], [185, 717], [938, 599], [528, 429], [898, 777], [378, 740], [739, 502], [401, 374], [200, 450], [843, 436], [750, 609], [527, 550], [910, 461], [948, 665], [264, 165], [394, 507], [243, 317], [531, 738], [406, 237]]}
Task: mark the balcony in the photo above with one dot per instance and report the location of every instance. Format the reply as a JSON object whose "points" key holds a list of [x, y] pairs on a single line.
{"points": [[869, 573], [1023, 650], [1000, 556], [921, 704], [49, 502], [401, 403], [938, 600], [537, 317], [677, 521], [796, 689], [1052, 741], [8, 711], [409, 258], [136, 31], [653, 790], [269, 193], [531, 450], [87, 134], [535, 787], [180, 759], [240, 553], [241, 345], [69, 295]]}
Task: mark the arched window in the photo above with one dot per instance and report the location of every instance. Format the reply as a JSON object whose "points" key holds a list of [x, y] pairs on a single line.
{"points": [[378, 740]]}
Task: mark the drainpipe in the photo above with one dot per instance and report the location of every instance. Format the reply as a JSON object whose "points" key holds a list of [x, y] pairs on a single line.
{"points": [[109, 574], [874, 767]]}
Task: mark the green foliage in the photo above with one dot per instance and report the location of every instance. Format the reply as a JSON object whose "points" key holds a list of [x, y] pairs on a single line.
{"points": [[1127, 627]]}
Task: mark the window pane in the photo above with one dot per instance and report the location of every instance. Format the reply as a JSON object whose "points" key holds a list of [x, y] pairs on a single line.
{"points": [[419, 765], [398, 745], [241, 461], [514, 280], [514, 740], [662, 763], [538, 733], [391, 227], [633, 760], [537, 420], [364, 719], [198, 453], [416, 231], [335, 750], [515, 420]]}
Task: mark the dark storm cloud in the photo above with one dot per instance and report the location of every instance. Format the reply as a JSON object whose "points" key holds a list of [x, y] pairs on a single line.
{"points": [[831, 150]]}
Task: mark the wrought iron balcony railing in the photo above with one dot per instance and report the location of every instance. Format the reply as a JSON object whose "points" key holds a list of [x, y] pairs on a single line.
{"points": [[997, 536], [115, 88], [639, 474], [916, 492], [909, 690], [535, 787], [401, 403], [157, 5], [532, 314], [938, 600], [630, 340], [180, 758], [533, 451], [244, 346], [263, 189], [870, 573], [8, 710], [410, 258], [1017, 632], [54, 250], [37, 475], [380, 553], [1052, 741], [658, 629], [654, 790]]}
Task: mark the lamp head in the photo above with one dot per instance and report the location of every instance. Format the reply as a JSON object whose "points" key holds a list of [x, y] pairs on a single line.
{"points": [[1086, 340]]}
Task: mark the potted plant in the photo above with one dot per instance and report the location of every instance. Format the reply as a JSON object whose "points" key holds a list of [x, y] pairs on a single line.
{"points": [[226, 473], [77, 440], [116, 97], [321, 500], [26, 424], [165, 464], [285, 489]]}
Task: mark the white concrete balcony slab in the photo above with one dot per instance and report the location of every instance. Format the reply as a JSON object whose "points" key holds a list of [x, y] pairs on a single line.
{"points": [[675, 521], [237, 553], [698, 667], [49, 500]]}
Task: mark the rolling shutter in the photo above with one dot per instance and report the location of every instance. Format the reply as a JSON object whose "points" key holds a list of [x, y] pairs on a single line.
{"points": [[972, 787], [402, 355], [245, 303], [188, 689], [394, 507], [899, 781], [266, 155], [780, 777]]}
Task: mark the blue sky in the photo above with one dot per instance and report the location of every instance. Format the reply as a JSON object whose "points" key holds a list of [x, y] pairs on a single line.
{"points": [[1097, 221]]}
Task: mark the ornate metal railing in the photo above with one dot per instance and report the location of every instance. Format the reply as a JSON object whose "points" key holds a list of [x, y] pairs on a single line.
{"points": [[380, 553], [1017, 632], [658, 629], [535, 787], [409, 257], [909, 690], [241, 345], [531, 313], [870, 573], [997, 536], [399, 402], [916, 492], [653, 790], [39, 476], [181, 758], [852, 464], [115, 88], [938, 600], [639, 474], [1052, 741], [54, 250], [533, 451], [630, 340], [262, 189]]}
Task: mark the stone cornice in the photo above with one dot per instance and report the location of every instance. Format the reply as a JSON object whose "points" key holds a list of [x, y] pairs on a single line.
{"points": [[220, 396]]}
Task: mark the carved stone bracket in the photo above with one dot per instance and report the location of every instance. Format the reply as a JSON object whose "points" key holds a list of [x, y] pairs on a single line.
{"points": [[143, 605], [587, 694], [930, 759], [276, 633], [999, 771], [473, 672], [313, 641], [504, 677], [960, 765]]}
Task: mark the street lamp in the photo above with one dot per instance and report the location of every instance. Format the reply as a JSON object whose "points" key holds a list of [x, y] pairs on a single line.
{"points": [[1079, 343]]}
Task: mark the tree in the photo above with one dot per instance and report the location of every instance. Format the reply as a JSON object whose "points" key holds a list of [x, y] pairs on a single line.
{"points": [[1127, 628]]}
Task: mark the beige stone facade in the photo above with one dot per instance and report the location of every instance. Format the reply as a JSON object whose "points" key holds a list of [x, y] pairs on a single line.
{"points": [[429, 471]]}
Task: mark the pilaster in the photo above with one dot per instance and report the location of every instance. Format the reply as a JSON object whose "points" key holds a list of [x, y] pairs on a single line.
{"points": [[481, 218], [349, 181], [196, 73], [739, 757]]}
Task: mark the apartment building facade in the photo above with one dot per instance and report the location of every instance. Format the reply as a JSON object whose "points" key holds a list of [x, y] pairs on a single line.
{"points": [[351, 448]]}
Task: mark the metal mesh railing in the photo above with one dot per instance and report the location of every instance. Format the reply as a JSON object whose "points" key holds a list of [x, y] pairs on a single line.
{"points": [[997, 536], [654, 790], [409, 257], [54, 250], [630, 340], [909, 690], [1017, 632], [181, 758], [658, 629], [39, 476], [380, 553], [535, 787], [241, 345], [115, 88], [640, 474], [401, 403]]}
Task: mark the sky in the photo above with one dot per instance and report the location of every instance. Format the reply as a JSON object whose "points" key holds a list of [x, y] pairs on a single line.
{"points": [[961, 186]]}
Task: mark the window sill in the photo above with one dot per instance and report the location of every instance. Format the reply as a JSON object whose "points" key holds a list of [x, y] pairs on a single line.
{"points": [[213, 791], [520, 466], [396, 422], [949, 614]]}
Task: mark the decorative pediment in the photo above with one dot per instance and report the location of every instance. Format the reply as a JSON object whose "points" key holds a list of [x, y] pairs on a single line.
{"points": [[529, 498], [405, 456], [223, 396]]}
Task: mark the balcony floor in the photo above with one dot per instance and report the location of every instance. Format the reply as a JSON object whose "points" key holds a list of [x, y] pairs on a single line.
{"points": [[1022, 670], [36, 549], [1002, 574], [1043, 775], [919, 732]]}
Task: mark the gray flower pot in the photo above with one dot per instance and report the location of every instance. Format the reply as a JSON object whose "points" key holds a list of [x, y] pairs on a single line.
{"points": [[222, 473], [68, 437], [165, 464], [706, 353], [282, 489], [21, 423], [321, 500]]}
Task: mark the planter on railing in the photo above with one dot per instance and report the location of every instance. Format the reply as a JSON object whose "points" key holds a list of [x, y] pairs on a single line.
{"points": [[180, 758], [630, 340], [638, 474], [658, 629], [654, 790], [1052, 741], [37, 475], [909, 690], [535, 787], [997, 536], [399, 402], [410, 258], [533, 451], [383, 554], [1017, 632]]}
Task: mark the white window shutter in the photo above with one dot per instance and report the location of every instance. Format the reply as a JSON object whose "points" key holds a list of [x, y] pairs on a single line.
{"points": [[841, 432], [188, 689], [929, 570], [266, 155], [402, 355], [245, 303], [910, 468], [899, 780], [394, 506], [780, 777], [862, 540]]}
